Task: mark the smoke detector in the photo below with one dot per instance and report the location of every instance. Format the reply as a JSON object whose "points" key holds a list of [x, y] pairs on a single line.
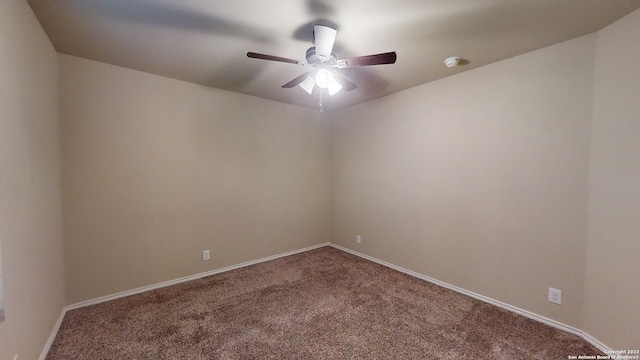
{"points": [[452, 61]]}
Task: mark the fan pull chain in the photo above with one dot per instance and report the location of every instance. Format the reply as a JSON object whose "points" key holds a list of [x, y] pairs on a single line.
{"points": [[321, 100]]}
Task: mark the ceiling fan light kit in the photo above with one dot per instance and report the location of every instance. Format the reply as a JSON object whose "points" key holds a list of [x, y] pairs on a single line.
{"points": [[324, 79], [322, 57]]}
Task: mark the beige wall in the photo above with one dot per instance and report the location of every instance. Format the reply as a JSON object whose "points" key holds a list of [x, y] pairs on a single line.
{"points": [[612, 297], [478, 180], [30, 190], [157, 170]]}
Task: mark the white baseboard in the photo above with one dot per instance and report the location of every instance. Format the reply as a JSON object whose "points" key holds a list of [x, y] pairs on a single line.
{"points": [[528, 314], [483, 298], [119, 295], [52, 336], [188, 278]]}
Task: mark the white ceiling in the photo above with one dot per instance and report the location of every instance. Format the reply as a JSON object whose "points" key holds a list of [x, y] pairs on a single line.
{"points": [[206, 41]]}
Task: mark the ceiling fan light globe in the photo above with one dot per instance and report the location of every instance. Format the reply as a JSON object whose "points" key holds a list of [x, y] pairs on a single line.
{"points": [[308, 84], [324, 78], [334, 87]]}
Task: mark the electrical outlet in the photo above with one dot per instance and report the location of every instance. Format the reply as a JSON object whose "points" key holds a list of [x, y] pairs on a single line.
{"points": [[358, 239], [206, 255], [555, 296]]}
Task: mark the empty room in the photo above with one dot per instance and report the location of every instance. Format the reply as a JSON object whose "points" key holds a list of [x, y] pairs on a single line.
{"points": [[319, 179]]}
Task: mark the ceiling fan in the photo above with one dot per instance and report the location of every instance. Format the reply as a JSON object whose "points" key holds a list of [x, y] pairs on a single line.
{"points": [[322, 58]]}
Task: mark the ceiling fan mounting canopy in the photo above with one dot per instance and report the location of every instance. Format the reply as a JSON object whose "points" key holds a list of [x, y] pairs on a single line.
{"points": [[322, 57]]}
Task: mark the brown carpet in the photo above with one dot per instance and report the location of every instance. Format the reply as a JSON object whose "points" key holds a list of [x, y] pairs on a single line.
{"points": [[321, 304]]}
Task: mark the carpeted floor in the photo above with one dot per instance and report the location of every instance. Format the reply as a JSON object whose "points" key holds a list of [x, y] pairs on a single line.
{"points": [[321, 304]]}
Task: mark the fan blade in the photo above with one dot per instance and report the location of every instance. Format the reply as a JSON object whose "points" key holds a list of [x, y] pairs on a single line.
{"points": [[272, 58], [296, 81], [377, 59], [347, 84], [324, 37]]}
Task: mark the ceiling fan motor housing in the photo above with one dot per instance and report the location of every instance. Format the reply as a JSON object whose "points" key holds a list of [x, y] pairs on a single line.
{"points": [[313, 58]]}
